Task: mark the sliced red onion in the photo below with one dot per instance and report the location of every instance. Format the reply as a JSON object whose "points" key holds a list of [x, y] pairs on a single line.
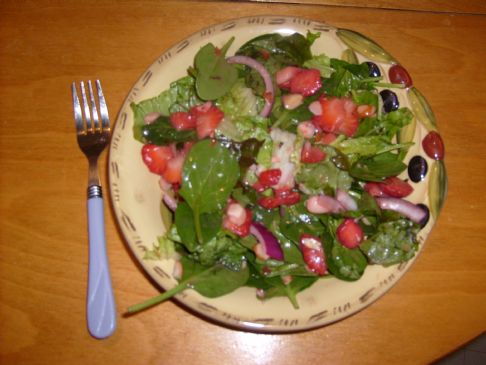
{"points": [[268, 241], [346, 200], [315, 108], [404, 207], [320, 204], [151, 117], [170, 201], [267, 79], [306, 129]]}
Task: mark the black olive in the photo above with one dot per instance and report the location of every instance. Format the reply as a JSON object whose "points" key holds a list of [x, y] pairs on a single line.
{"points": [[417, 168], [374, 70], [390, 100]]}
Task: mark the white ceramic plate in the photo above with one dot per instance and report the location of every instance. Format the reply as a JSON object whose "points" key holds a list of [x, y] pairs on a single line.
{"points": [[136, 195]]}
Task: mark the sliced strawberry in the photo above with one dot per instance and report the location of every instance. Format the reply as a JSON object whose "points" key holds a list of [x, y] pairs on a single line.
{"points": [[270, 177], [374, 189], [396, 188], [173, 171], [287, 196], [283, 76], [208, 117], [157, 157], [339, 115], [325, 138], [313, 254], [307, 82], [390, 187], [311, 154], [182, 121], [232, 225], [349, 233], [269, 202]]}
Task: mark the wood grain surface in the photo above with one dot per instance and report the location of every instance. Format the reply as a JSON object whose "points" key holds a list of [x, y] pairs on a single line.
{"points": [[438, 6], [439, 305]]}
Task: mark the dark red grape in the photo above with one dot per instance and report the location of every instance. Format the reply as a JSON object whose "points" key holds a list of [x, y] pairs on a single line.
{"points": [[417, 168], [433, 146], [398, 75], [390, 100]]}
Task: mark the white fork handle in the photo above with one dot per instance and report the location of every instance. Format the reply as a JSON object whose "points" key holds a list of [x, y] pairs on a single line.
{"points": [[100, 302]]}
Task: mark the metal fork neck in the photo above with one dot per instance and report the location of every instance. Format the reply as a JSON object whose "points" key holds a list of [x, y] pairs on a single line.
{"points": [[94, 191]]}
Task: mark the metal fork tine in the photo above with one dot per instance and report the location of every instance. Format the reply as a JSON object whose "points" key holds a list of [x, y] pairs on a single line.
{"points": [[103, 108], [78, 117], [94, 111], [87, 113]]}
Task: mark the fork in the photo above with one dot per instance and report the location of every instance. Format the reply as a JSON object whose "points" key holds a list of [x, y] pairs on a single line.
{"points": [[92, 139]]}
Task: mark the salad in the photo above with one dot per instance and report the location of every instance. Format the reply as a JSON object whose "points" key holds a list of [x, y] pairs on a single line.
{"points": [[279, 167]]}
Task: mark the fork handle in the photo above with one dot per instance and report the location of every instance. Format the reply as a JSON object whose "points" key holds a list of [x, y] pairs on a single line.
{"points": [[101, 311]]}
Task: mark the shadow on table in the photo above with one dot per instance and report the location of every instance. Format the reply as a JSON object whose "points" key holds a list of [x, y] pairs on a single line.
{"points": [[474, 353]]}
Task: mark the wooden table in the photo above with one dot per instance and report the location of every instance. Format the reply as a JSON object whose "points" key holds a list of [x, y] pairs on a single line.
{"points": [[438, 306]]}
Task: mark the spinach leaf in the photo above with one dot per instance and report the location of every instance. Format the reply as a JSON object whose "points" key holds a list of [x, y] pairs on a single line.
{"points": [[394, 242], [289, 50], [368, 146], [214, 75], [161, 132], [323, 177], [221, 249], [378, 167], [386, 125], [214, 281], [184, 221], [346, 77], [209, 174], [344, 263], [290, 290], [210, 282]]}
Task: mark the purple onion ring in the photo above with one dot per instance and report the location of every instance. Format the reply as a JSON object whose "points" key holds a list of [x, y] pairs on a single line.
{"points": [[267, 79], [268, 241], [404, 207]]}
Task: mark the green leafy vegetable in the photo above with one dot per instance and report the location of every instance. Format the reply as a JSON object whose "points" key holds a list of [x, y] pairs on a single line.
{"points": [[214, 75], [161, 132], [212, 282], [393, 243], [180, 96], [209, 174], [378, 167]]}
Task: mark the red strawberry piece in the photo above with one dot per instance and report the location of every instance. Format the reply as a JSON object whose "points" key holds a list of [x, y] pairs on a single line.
{"points": [[208, 117], [283, 76], [374, 189], [269, 202], [173, 171], [313, 254], [182, 121], [287, 196], [349, 233], [396, 188], [156, 157], [231, 222], [307, 82], [339, 115], [311, 154], [270, 177]]}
